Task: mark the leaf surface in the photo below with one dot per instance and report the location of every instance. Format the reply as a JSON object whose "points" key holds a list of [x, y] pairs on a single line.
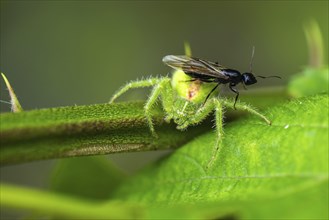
{"points": [[256, 162]]}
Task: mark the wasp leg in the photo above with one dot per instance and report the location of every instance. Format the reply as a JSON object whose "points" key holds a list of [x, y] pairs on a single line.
{"points": [[157, 91], [236, 92], [189, 80], [210, 94], [133, 85]]}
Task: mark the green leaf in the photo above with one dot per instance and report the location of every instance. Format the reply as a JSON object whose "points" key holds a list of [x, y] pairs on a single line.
{"points": [[315, 78], [96, 129], [84, 130], [256, 163], [86, 177], [63, 206], [310, 81], [278, 171]]}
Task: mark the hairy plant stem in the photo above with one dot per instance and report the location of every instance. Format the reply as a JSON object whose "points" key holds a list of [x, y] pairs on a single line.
{"points": [[89, 130]]}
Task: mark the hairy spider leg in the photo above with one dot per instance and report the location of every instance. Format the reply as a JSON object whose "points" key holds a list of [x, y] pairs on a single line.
{"points": [[212, 105], [135, 84], [218, 106], [162, 88], [245, 107]]}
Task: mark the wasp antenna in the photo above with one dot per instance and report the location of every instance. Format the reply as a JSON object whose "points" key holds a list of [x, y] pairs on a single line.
{"points": [[252, 58], [264, 77]]}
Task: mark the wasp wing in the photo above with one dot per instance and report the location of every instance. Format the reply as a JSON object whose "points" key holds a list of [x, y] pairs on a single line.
{"points": [[195, 66]]}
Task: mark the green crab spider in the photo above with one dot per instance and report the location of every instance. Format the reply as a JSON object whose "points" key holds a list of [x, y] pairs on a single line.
{"points": [[187, 101], [182, 103]]}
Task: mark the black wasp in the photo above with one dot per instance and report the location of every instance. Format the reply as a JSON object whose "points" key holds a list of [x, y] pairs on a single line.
{"points": [[211, 72]]}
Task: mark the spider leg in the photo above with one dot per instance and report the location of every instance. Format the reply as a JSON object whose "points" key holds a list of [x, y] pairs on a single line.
{"points": [[247, 108], [199, 115], [133, 85], [219, 131], [158, 90], [216, 106], [167, 99]]}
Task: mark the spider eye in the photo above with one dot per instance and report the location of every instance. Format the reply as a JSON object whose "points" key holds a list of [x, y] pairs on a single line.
{"points": [[248, 78]]}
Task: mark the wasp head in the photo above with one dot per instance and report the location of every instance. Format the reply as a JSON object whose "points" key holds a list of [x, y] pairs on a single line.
{"points": [[248, 78]]}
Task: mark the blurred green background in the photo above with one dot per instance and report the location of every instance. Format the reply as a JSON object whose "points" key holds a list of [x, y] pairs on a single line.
{"points": [[59, 53]]}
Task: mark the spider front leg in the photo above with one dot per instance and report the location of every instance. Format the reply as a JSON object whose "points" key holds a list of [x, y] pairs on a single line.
{"points": [[163, 89], [135, 84]]}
